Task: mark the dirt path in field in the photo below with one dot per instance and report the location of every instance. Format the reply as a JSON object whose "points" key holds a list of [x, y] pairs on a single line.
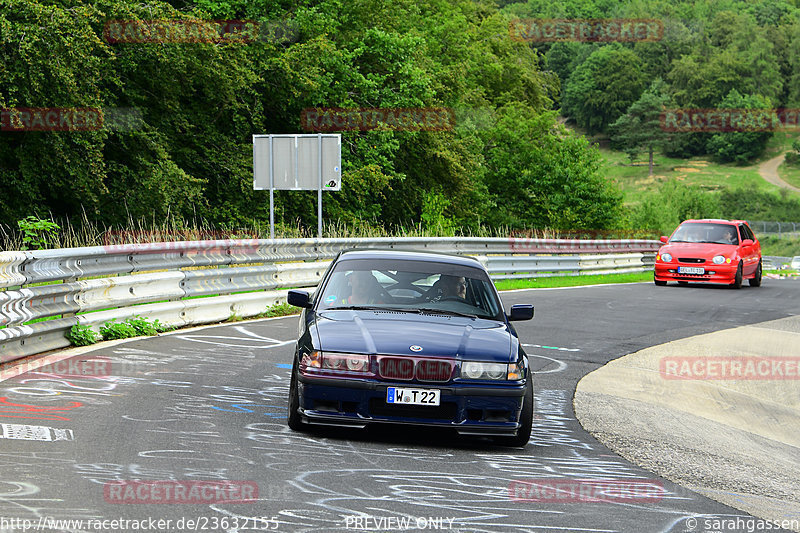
{"points": [[769, 171]]}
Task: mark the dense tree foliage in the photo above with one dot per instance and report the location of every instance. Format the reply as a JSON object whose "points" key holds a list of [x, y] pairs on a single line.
{"points": [[710, 49], [640, 127], [507, 161], [601, 88], [190, 152], [739, 146]]}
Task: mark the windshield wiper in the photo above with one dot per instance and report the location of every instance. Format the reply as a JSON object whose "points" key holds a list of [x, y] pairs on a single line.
{"points": [[371, 308], [445, 312]]}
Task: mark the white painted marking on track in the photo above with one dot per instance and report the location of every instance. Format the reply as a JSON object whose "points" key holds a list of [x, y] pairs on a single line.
{"points": [[553, 348], [245, 331], [561, 364], [237, 342], [28, 432]]}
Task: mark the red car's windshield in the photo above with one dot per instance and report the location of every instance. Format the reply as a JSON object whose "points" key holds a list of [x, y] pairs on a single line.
{"points": [[706, 232]]}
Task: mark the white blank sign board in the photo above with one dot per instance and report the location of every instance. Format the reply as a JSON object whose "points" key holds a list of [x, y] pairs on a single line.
{"points": [[296, 161]]}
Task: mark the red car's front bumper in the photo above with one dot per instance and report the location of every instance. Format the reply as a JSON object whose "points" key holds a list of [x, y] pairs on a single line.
{"points": [[725, 273]]}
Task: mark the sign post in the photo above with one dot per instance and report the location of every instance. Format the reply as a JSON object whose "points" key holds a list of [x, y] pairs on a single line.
{"points": [[297, 162]]}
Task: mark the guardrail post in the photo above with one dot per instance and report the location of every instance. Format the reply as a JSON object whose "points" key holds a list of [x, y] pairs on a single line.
{"points": [[69, 280]]}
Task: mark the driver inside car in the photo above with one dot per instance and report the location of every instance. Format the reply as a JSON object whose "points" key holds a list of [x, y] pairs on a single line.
{"points": [[453, 286], [730, 236], [365, 289]]}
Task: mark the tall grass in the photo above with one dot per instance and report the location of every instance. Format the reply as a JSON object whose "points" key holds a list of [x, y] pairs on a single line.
{"points": [[83, 232]]}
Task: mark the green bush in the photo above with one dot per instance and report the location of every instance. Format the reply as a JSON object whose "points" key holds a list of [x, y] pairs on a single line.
{"points": [[81, 335], [672, 204], [742, 146], [161, 327], [280, 309], [750, 203], [37, 233], [117, 330], [134, 326], [793, 157], [434, 205], [141, 325]]}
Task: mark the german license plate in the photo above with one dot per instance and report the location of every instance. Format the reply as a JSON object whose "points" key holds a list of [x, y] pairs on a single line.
{"points": [[691, 270], [404, 396]]}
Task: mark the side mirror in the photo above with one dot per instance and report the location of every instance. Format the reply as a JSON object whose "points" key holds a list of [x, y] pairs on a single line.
{"points": [[747, 242], [664, 239], [298, 299], [521, 312]]}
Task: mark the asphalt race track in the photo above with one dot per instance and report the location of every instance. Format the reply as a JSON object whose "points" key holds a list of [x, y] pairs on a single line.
{"points": [[210, 404]]}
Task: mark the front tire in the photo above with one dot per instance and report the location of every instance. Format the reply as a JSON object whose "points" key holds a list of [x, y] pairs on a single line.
{"points": [[525, 418], [737, 281], [294, 420], [659, 283], [756, 280]]}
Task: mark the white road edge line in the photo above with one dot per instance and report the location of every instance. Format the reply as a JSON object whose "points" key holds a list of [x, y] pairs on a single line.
{"points": [[577, 286]]}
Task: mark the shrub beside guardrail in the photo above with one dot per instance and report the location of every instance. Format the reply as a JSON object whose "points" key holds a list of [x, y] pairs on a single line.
{"points": [[186, 283]]}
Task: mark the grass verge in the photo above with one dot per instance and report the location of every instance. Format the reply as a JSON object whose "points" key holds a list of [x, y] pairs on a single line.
{"points": [[790, 173], [572, 281], [781, 246], [279, 309]]}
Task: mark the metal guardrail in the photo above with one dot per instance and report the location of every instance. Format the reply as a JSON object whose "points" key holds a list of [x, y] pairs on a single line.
{"points": [[44, 293], [771, 227], [769, 262]]}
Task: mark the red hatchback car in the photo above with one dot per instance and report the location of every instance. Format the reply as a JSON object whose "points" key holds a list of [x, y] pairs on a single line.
{"points": [[710, 251]]}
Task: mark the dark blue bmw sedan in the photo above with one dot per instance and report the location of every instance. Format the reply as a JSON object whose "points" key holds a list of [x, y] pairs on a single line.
{"points": [[410, 338]]}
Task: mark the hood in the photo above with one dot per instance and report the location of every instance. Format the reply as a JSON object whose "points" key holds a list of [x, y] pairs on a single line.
{"points": [[393, 333], [698, 249]]}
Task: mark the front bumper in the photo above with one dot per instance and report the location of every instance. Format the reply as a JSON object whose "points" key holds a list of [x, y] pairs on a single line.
{"points": [[725, 273], [470, 409]]}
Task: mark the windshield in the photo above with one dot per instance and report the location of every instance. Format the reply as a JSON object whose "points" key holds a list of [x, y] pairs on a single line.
{"points": [[706, 232], [410, 286]]}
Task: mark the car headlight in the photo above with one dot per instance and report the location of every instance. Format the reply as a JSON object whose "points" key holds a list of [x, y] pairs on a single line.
{"points": [[718, 259], [493, 371], [335, 361], [349, 362], [666, 257], [311, 360]]}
